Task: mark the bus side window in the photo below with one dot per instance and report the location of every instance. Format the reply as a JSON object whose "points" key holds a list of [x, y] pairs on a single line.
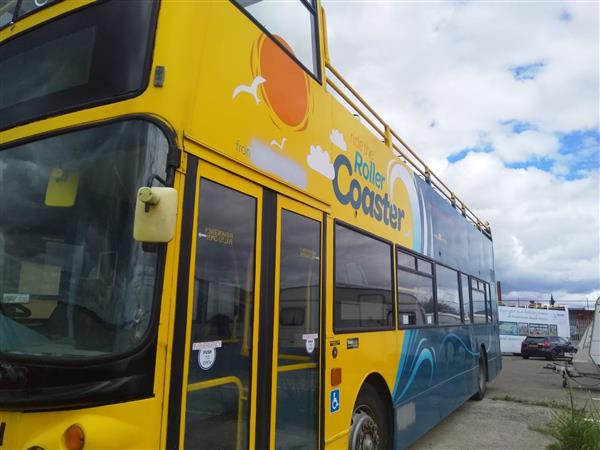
{"points": [[415, 291], [448, 298], [363, 282], [478, 297], [466, 299], [489, 302]]}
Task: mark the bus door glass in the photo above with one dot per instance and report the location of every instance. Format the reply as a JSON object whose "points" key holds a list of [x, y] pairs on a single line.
{"points": [[220, 350], [297, 325], [233, 373]]}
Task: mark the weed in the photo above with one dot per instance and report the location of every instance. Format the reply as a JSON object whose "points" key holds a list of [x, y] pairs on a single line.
{"points": [[575, 428]]}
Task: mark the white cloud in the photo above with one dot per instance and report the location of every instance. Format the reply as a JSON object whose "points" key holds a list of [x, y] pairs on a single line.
{"points": [[441, 74], [529, 144], [319, 160]]}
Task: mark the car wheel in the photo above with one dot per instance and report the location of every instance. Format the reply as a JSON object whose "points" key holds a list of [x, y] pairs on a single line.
{"points": [[481, 381], [370, 428], [554, 354], [525, 357]]}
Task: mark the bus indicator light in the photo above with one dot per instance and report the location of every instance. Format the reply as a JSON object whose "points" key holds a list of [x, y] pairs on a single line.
{"points": [[336, 376], [74, 437]]}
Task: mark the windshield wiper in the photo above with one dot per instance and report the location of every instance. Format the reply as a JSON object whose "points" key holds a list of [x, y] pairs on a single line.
{"points": [[11, 375]]}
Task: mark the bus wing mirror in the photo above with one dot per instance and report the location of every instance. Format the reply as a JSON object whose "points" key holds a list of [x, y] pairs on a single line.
{"points": [[155, 214], [62, 188]]}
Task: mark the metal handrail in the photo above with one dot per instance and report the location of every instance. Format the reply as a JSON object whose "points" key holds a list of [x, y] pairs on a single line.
{"points": [[217, 382], [403, 149], [294, 367]]}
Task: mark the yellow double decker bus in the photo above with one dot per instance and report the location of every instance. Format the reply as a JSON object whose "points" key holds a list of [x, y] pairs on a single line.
{"points": [[209, 240]]}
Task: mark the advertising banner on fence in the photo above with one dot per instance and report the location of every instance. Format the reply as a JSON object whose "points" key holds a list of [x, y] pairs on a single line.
{"points": [[517, 323]]}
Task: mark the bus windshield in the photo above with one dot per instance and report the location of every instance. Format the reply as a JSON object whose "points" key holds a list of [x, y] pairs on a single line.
{"points": [[73, 282], [94, 55]]}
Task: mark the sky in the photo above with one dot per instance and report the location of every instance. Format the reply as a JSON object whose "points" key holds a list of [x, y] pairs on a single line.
{"points": [[502, 100]]}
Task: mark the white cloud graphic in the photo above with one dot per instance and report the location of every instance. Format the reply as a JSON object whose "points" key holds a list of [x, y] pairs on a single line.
{"points": [[265, 158], [318, 160], [337, 139]]}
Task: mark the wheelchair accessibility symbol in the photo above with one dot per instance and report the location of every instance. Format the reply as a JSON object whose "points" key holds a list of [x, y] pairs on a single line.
{"points": [[334, 401]]}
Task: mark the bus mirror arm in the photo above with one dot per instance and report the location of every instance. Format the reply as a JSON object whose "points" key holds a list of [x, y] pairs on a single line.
{"points": [[153, 177]]}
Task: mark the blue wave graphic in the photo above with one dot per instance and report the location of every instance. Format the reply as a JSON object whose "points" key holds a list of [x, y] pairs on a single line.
{"points": [[425, 355], [420, 355], [457, 338]]}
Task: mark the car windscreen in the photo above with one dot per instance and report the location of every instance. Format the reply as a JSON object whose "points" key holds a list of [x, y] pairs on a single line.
{"points": [[94, 55]]}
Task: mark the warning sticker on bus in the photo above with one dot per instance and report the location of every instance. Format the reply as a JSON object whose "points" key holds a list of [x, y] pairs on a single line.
{"points": [[207, 353]]}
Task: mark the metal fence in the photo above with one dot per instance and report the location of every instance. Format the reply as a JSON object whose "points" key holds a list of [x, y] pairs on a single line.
{"points": [[579, 320]]}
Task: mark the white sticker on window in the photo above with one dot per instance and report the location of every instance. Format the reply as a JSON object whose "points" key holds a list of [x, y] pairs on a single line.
{"points": [[208, 344], [309, 341], [206, 358], [207, 353], [15, 298], [309, 337]]}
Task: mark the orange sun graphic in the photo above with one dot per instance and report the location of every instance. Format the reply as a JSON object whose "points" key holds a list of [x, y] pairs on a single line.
{"points": [[286, 90]]}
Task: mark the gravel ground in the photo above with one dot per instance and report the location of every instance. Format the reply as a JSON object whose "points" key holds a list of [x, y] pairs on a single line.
{"points": [[510, 413]]}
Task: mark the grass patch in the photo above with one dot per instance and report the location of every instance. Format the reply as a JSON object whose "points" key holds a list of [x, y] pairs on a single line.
{"points": [[574, 428]]}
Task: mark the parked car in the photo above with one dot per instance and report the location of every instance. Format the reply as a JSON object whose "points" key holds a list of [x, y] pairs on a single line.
{"points": [[549, 347]]}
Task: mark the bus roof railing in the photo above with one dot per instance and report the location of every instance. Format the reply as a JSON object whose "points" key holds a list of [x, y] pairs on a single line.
{"points": [[382, 130]]}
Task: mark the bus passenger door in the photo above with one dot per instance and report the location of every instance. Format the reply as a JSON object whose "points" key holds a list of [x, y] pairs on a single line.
{"points": [[297, 323], [220, 360], [251, 353]]}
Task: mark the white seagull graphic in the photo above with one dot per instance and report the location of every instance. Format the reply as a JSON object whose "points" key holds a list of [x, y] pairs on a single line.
{"points": [[277, 144], [252, 89]]}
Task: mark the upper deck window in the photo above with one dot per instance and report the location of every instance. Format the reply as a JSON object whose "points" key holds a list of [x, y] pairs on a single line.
{"points": [[97, 54], [292, 24]]}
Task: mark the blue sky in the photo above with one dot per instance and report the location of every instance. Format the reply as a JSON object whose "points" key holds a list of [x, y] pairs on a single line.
{"points": [[583, 146], [579, 150], [527, 71], [502, 101]]}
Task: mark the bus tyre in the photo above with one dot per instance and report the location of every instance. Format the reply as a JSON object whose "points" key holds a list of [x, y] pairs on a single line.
{"points": [[370, 425], [481, 380]]}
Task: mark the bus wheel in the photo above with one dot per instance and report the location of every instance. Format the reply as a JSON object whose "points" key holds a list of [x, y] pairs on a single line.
{"points": [[369, 428], [481, 381]]}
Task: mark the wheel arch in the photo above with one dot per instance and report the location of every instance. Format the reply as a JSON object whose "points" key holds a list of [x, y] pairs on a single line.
{"points": [[377, 381]]}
